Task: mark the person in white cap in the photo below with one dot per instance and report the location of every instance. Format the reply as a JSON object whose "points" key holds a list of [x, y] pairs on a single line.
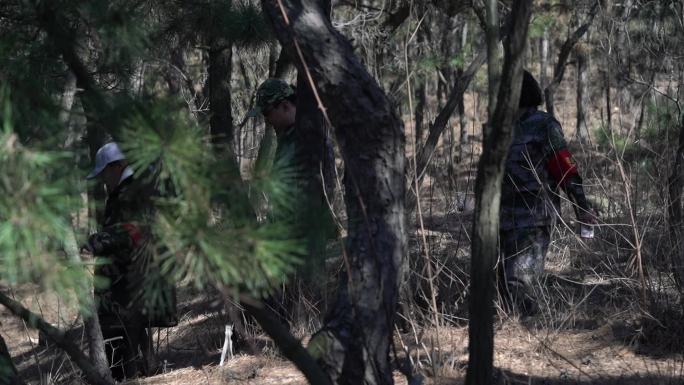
{"points": [[111, 166], [125, 240]]}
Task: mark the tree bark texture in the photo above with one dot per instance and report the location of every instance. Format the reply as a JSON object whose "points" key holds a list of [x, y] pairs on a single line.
{"points": [[220, 70], [582, 128], [463, 121], [496, 141], [675, 188], [317, 176], [59, 338], [94, 106], [419, 108], [91, 321], [544, 59], [371, 139]]}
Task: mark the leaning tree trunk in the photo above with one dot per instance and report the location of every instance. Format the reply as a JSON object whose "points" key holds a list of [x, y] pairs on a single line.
{"points": [[496, 140], [354, 344], [563, 55], [8, 372], [91, 322]]}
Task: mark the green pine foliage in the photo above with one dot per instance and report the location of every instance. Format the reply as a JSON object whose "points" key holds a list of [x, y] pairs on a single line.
{"points": [[204, 241], [36, 205], [239, 22], [206, 232]]}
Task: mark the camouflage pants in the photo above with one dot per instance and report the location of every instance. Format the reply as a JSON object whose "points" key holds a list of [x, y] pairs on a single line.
{"points": [[522, 263]]}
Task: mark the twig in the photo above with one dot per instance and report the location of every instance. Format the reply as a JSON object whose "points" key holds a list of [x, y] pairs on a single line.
{"points": [[227, 344]]}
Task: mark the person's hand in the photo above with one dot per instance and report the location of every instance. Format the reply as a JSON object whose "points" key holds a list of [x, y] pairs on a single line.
{"points": [[92, 245], [86, 248], [587, 219]]}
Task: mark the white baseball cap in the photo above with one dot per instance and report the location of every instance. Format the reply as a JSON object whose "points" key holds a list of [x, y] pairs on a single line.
{"points": [[107, 154]]}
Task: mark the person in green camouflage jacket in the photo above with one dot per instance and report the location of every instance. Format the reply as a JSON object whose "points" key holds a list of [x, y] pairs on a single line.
{"points": [[277, 102], [539, 164], [124, 246], [308, 213]]}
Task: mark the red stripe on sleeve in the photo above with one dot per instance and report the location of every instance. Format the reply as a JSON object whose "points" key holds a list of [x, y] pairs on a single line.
{"points": [[133, 232], [561, 166]]}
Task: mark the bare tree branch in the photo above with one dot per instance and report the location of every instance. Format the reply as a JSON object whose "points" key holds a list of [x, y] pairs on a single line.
{"points": [[58, 337], [563, 55], [440, 123]]}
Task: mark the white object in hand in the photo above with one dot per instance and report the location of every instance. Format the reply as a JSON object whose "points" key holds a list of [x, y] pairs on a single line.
{"points": [[227, 344], [586, 231]]}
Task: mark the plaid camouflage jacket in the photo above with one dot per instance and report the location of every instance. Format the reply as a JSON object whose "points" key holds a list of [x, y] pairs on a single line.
{"points": [[529, 193], [125, 242]]}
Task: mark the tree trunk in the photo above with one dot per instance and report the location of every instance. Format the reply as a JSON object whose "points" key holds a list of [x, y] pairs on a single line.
{"points": [[8, 372], [419, 113], [283, 65], [91, 322], [675, 187], [220, 70], [67, 100], [353, 346], [316, 162], [609, 112], [582, 129], [95, 108], [463, 121], [544, 59], [420, 88], [496, 140]]}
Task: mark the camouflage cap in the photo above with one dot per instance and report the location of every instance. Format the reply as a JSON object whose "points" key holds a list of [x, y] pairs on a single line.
{"points": [[269, 93]]}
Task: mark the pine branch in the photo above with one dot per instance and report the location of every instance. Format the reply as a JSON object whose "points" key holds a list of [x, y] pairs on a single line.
{"points": [[58, 337]]}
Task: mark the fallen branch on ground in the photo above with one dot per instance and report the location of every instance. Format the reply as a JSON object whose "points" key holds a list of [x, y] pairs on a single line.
{"points": [[58, 337]]}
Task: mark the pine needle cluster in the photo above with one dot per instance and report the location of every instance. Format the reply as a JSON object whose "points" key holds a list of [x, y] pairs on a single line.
{"points": [[37, 202], [205, 236]]}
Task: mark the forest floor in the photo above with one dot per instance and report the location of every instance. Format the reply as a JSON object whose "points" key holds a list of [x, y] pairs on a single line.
{"points": [[591, 330]]}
